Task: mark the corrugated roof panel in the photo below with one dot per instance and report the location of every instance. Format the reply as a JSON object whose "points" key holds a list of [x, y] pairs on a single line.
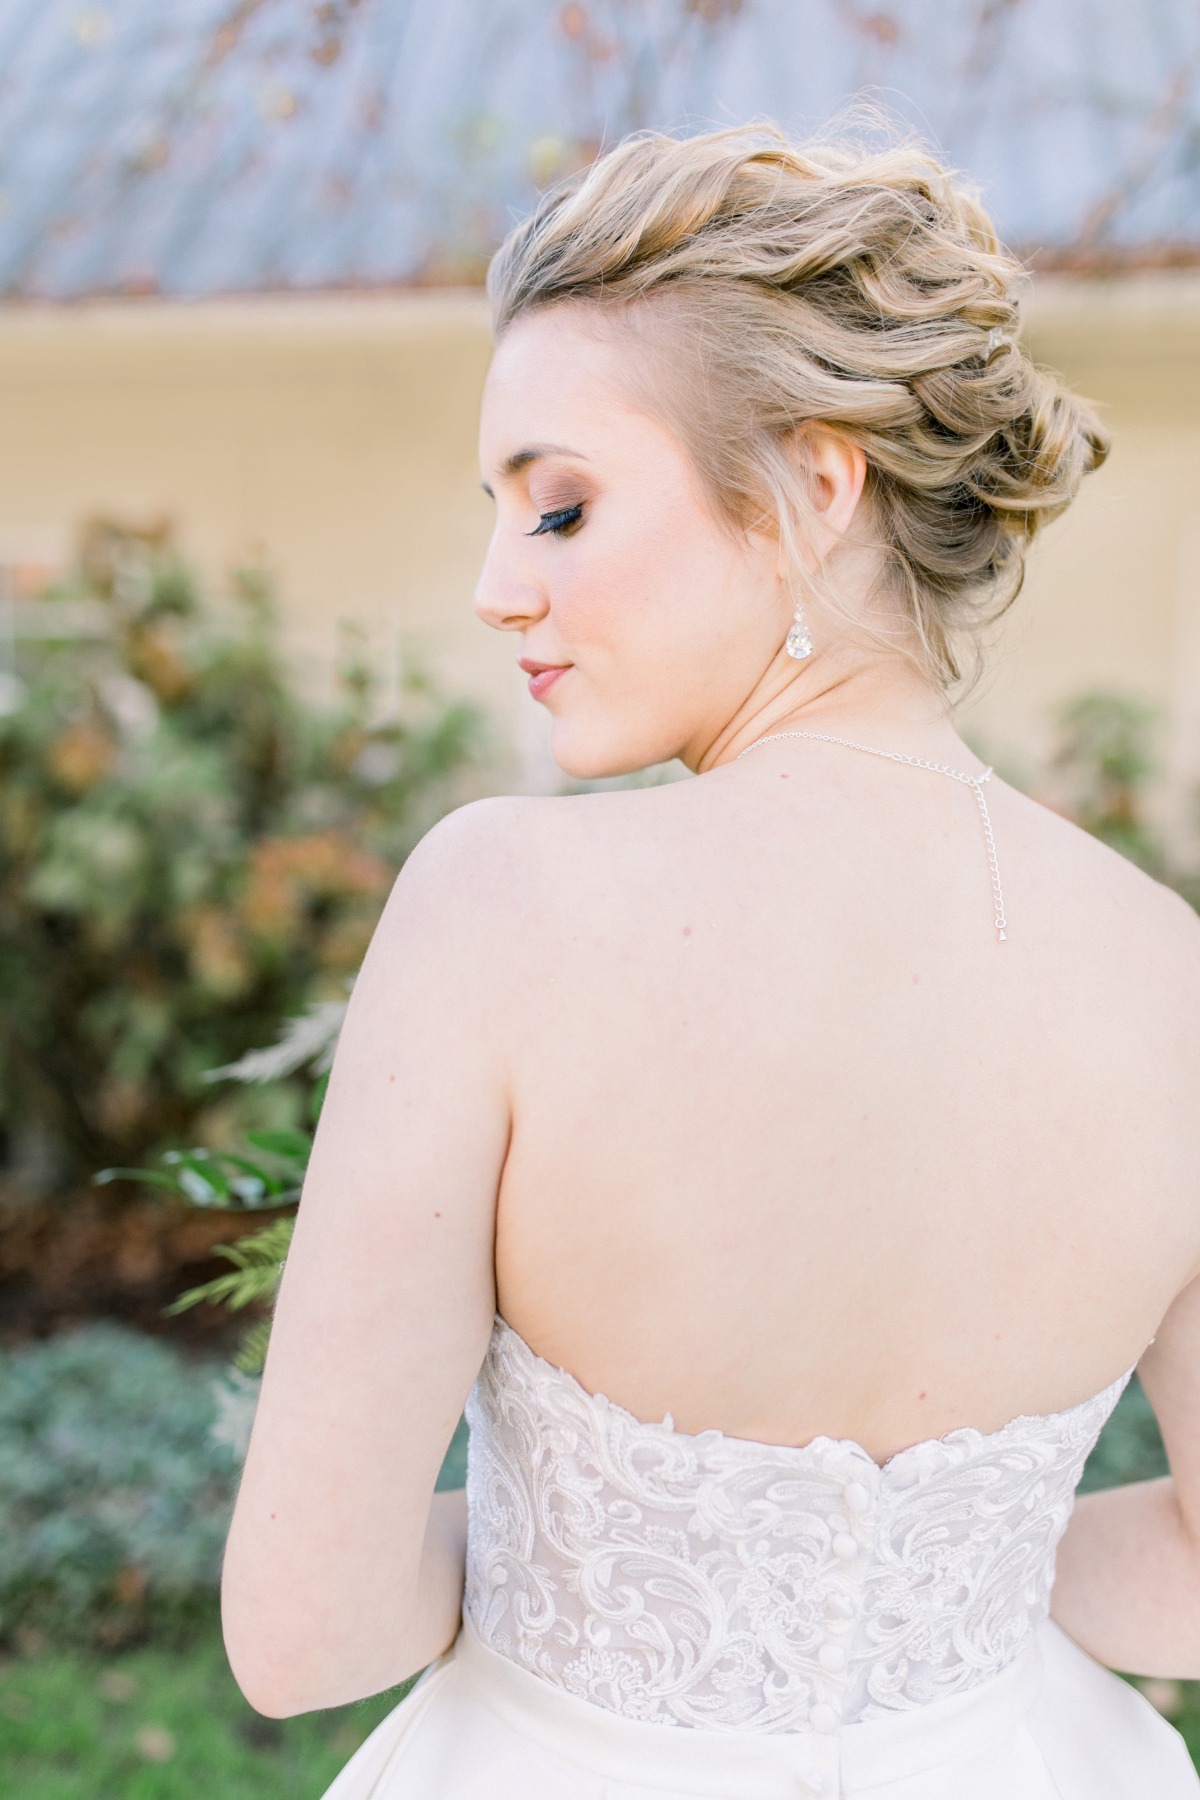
{"points": [[208, 146]]}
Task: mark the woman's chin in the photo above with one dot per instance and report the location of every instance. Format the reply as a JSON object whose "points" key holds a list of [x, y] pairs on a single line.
{"points": [[584, 760]]}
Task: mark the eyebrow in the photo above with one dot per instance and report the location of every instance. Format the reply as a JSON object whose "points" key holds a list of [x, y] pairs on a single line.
{"points": [[521, 459]]}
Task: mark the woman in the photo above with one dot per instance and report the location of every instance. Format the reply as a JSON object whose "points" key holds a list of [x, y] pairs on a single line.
{"points": [[791, 1164]]}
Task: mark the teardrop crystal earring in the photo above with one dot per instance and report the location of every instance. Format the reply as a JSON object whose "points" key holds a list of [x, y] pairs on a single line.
{"points": [[799, 638]]}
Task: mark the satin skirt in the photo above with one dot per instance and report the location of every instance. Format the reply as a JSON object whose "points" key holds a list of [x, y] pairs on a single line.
{"points": [[1054, 1725]]}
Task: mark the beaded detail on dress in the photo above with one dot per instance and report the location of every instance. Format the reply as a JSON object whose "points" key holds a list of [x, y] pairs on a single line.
{"points": [[706, 1580]]}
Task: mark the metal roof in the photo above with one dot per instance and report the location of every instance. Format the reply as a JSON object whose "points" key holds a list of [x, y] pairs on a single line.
{"points": [[192, 147]]}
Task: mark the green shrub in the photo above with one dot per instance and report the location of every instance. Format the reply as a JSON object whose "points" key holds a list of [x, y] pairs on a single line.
{"points": [[1106, 766], [119, 1461], [268, 1173], [190, 850], [115, 1493], [1130, 1446]]}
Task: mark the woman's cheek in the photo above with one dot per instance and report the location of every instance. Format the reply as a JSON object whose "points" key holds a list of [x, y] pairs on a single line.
{"points": [[615, 586]]}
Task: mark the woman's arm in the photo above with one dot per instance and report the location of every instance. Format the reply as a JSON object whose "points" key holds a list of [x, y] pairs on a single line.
{"points": [[343, 1572], [1128, 1585]]}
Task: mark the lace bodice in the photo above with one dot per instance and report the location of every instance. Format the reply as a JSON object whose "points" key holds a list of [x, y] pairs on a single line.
{"points": [[706, 1580]]}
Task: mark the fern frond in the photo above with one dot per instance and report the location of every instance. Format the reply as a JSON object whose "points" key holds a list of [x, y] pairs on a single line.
{"points": [[306, 1042], [258, 1260], [251, 1353], [261, 1249]]}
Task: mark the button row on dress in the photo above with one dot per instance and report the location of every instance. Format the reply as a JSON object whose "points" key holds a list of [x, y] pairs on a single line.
{"points": [[857, 1499], [816, 1773], [848, 1543], [822, 1717]]}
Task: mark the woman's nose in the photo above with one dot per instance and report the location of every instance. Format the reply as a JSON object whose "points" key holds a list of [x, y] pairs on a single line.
{"points": [[505, 596]]}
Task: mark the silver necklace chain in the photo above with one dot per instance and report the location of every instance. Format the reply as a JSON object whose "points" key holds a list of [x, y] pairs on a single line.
{"points": [[974, 782]]}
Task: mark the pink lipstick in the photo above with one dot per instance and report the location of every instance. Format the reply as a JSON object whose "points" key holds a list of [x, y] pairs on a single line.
{"points": [[542, 676]]}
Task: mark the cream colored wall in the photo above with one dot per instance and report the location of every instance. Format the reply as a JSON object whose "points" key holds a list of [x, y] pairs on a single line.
{"points": [[336, 436], [1113, 594]]}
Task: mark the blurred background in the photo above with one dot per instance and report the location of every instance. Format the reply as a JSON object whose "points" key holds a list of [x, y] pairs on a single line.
{"points": [[242, 341]]}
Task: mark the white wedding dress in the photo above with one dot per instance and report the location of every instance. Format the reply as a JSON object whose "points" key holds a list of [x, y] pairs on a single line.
{"points": [[653, 1615]]}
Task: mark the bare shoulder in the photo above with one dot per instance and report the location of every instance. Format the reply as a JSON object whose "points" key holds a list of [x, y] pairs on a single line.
{"points": [[518, 835], [1153, 927], [487, 834], [481, 872], [527, 877]]}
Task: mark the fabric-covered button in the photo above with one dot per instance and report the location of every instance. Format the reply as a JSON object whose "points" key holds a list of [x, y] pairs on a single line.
{"points": [[832, 1658], [839, 1606], [844, 1546], [822, 1717], [856, 1497]]}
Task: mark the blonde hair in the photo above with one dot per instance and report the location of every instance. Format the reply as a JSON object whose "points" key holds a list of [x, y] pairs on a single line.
{"points": [[865, 290]]}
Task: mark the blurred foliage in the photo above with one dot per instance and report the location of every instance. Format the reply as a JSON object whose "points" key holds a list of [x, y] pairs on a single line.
{"points": [[1106, 764], [1130, 1447], [258, 1258], [1106, 774], [189, 848], [115, 1492], [119, 1461], [238, 1183]]}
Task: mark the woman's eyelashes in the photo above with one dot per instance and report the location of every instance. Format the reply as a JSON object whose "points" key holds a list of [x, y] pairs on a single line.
{"points": [[562, 520]]}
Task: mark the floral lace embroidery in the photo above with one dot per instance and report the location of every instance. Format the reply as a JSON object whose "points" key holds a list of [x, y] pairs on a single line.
{"points": [[712, 1581]]}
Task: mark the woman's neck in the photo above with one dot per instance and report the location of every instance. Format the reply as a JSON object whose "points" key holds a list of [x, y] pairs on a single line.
{"points": [[893, 707]]}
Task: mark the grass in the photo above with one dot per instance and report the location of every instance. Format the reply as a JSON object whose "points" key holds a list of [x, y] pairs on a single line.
{"points": [[1180, 1701], [168, 1724], [159, 1724]]}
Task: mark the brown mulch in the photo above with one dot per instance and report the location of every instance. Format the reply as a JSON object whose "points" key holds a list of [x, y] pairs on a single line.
{"points": [[99, 1253]]}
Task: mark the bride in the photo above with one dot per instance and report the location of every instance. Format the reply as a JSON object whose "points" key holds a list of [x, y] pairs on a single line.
{"points": [[788, 1166]]}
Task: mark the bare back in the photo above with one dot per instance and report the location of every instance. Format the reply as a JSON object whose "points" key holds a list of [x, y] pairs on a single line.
{"points": [[799, 1148], [724, 1093]]}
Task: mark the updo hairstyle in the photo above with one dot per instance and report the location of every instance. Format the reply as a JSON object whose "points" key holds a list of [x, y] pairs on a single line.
{"points": [[772, 284]]}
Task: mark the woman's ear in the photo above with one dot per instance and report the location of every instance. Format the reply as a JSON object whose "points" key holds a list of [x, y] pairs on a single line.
{"points": [[837, 470], [832, 471]]}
